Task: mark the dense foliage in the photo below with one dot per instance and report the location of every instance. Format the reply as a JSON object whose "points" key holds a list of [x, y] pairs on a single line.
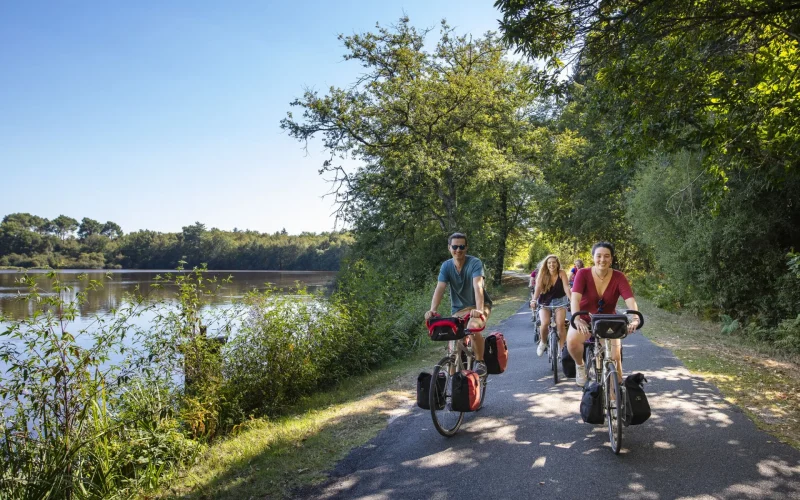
{"points": [[30, 241], [689, 114]]}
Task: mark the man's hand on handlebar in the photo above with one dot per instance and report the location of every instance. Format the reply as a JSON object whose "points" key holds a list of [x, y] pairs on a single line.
{"points": [[475, 313], [430, 314]]}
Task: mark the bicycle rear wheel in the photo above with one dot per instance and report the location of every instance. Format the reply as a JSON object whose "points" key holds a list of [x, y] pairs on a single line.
{"points": [[444, 418], [614, 415], [553, 339]]}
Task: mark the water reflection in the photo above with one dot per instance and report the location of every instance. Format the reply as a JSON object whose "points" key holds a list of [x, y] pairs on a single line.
{"points": [[116, 284]]}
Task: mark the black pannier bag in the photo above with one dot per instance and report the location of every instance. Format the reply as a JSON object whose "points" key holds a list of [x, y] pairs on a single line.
{"points": [[592, 404], [424, 390], [610, 326], [442, 329], [567, 363], [637, 408]]}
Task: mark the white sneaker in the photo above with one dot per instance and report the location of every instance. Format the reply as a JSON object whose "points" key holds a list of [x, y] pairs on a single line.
{"points": [[540, 350], [580, 375]]}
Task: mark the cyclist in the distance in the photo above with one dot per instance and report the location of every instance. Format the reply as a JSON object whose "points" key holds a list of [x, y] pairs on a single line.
{"points": [[465, 276], [532, 282], [574, 271], [596, 290]]}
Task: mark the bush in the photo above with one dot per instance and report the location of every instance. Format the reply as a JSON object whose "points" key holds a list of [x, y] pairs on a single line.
{"points": [[287, 347], [292, 345], [788, 335], [723, 255]]}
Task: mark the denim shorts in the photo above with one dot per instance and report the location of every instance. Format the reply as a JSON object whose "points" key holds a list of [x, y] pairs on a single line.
{"points": [[561, 302]]}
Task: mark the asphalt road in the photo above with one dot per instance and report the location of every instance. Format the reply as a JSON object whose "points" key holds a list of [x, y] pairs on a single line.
{"points": [[529, 442]]}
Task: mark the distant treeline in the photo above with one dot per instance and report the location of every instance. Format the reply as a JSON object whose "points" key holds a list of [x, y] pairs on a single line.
{"points": [[30, 241]]}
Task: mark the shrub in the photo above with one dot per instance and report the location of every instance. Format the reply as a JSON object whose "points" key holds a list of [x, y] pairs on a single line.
{"points": [[788, 335], [286, 348]]}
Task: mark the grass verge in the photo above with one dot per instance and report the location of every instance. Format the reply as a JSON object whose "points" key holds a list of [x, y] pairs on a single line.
{"points": [[271, 458], [761, 380]]}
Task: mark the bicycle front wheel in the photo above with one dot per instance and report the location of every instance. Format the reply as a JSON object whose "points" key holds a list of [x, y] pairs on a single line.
{"points": [[554, 354], [445, 419], [590, 363], [614, 415]]}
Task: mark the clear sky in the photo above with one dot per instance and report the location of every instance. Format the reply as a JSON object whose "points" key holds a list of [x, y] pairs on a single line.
{"points": [[156, 114]]}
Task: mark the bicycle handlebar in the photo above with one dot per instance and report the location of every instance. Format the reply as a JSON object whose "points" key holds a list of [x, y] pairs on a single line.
{"points": [[437, 315], [627, 311]]}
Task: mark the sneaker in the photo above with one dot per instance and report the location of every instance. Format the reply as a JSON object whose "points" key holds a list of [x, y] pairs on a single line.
{"points": [[580, 375], [480, 368], [540, 350]]}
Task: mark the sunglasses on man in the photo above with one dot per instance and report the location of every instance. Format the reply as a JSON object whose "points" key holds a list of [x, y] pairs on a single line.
{"points": [[458, 247]]}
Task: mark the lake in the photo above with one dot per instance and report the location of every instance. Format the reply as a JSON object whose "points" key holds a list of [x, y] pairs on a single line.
{"points": [[116, 283]]}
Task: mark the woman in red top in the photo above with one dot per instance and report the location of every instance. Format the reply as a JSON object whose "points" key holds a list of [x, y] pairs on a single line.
{"points": [[597, 289]]}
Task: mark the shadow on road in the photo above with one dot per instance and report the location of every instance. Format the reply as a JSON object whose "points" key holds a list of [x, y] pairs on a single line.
{"points": [[529, 441]]}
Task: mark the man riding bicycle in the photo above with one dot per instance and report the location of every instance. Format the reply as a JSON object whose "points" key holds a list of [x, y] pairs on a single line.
{"points": [[465, 276], [597, 290]]}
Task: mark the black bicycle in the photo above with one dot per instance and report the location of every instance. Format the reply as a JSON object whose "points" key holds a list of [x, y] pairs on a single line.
{"points": [[604, 328], [553, 349]]}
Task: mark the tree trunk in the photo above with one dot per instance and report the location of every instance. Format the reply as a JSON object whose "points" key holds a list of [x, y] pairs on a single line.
{"points": [[504, 230], [450, 203]]}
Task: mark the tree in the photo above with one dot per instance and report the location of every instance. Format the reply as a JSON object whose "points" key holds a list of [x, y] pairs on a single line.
{"points": [[111, 230], [436, 132], [29, 222], [64, 226], [88, 227], [655, 81]]}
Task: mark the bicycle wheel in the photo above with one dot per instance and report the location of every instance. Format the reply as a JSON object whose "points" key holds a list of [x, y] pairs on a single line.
{"points": [[614, 415], [444, 418], [553, 339], [590, 363]]}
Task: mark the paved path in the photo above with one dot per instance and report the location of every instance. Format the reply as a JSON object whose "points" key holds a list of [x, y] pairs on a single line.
{"points": [[529, 442]]}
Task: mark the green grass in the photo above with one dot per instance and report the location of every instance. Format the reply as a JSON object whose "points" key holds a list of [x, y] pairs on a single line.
{"points": [[271, 458], [757, 377]]}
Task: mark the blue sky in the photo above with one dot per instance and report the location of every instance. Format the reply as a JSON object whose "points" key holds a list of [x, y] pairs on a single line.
{"points": [[155, 115]]}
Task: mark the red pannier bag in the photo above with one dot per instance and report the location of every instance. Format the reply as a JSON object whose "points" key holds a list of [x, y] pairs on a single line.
{"points": [[466, 391], [496, 353]]}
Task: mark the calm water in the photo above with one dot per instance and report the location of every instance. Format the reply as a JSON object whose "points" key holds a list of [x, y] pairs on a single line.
{"points": [[117, 283]]}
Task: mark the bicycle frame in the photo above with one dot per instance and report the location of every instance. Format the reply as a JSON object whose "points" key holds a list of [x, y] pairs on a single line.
{"points": [[455, 348]]}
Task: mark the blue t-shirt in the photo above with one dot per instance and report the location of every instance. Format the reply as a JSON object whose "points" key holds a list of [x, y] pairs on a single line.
{"points": [[462, 293]]}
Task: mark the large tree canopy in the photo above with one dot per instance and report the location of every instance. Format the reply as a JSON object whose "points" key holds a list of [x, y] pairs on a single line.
{"points": [[444, 138], [690, 115]]}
